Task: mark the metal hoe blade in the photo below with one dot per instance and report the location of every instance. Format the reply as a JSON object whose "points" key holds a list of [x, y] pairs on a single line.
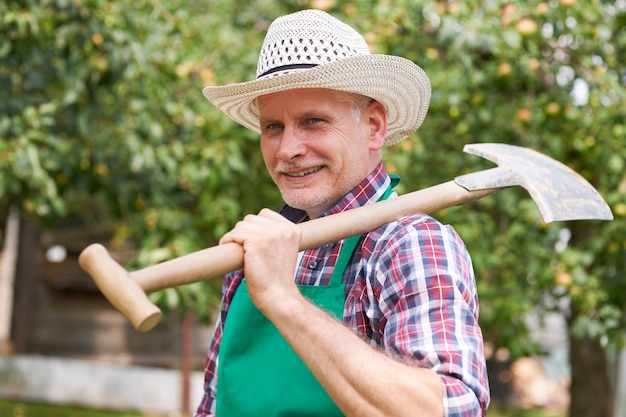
{"points": [[559, 192]]}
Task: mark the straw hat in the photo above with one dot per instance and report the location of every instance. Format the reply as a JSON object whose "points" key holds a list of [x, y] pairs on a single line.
{"points": [[312, 49]]}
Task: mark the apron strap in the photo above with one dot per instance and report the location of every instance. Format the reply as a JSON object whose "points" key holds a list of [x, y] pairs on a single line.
{"points": [[350, 244]]}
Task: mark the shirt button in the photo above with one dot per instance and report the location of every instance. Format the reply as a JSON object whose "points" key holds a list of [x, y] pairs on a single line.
{"points": [[313, 264]]}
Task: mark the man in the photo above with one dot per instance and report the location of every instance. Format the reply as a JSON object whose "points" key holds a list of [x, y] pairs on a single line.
{"points": [[380, 324]]}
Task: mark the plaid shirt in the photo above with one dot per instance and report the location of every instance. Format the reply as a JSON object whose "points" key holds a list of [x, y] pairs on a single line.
{"points": [[410, 292]]}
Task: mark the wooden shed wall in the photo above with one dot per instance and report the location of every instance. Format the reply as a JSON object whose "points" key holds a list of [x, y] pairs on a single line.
{"points": [[58, 311]]}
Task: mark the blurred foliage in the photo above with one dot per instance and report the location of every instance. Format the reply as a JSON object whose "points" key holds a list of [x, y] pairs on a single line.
{"points": [[102, 120], [513, 72]]}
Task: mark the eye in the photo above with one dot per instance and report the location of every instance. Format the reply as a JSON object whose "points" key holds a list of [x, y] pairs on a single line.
{"points": [[272, 126], [314, 120]]}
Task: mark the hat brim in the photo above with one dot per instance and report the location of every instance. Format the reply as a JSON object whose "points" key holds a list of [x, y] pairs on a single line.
{"points": [[399, 84]]}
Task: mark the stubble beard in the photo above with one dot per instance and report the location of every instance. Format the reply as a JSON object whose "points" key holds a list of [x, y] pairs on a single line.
{"points": [[323, 196]]}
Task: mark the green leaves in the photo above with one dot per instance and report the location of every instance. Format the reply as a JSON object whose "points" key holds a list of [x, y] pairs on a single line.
{"points": [[104, 121], [505, 72]]}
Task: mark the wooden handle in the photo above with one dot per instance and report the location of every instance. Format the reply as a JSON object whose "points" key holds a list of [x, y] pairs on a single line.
{"points": [[123, 292], [318, 232], [219, 260], [193, 267], [124, 289]]}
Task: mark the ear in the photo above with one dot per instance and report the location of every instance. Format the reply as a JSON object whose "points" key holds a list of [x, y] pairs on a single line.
{"points": [[377, 122]]}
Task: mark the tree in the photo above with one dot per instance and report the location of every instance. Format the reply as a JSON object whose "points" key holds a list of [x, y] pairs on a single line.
{"points": [[104, 123]]}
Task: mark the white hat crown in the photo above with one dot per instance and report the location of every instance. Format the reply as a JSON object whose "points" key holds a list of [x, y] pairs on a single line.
{"points": [[306, 39]]}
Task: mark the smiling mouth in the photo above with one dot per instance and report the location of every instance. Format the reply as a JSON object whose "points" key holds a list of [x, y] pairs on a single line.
{"points": [[303, 173]]}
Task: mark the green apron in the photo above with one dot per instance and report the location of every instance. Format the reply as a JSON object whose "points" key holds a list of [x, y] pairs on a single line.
{"points": [[259, 374]]}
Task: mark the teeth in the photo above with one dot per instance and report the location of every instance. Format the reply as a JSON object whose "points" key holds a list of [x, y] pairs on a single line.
{"points": [[303, 173]]}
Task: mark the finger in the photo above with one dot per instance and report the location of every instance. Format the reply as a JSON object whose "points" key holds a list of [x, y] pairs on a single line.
{"points": [[251, 225], [271, 214]]}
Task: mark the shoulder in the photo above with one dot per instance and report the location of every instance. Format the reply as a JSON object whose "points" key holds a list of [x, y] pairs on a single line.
{"points": [[417, 250], [416, 230]]}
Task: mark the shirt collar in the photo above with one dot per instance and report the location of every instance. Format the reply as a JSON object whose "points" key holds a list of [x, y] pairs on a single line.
{"points": [[369, 190]]}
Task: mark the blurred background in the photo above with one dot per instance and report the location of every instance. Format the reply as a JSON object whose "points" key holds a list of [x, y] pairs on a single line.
{"points": [[105, 137]]}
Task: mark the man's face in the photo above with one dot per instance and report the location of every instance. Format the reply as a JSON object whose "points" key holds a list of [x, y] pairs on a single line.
{"points": [[313, 147]]}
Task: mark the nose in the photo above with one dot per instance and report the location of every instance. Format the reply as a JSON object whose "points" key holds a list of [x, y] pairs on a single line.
{"points": [[291, 145]]}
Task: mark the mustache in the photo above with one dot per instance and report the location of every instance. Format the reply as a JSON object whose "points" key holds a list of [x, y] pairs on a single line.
{"points": [[295, 166]]}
